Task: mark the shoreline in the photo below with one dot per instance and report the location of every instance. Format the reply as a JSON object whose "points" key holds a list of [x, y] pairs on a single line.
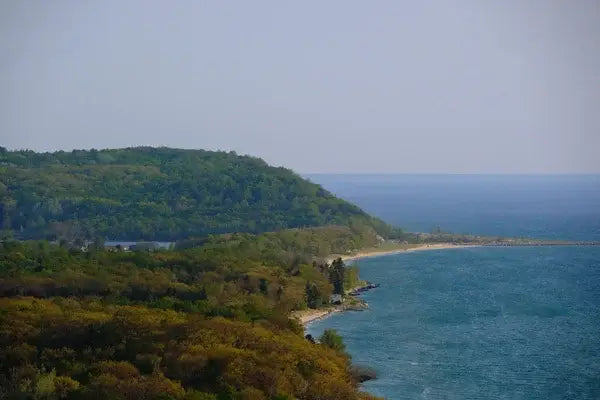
{"points": [[423, 247], [306, 317]]}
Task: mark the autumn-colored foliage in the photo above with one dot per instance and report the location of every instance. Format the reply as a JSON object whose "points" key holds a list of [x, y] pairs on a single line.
{"points": [[198, 324]]}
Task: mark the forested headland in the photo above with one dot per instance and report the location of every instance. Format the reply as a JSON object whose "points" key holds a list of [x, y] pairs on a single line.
{"points": [[146, 193]]}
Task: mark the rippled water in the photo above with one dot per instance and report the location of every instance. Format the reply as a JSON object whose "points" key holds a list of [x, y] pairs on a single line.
{"points": [[479, 323], [540, 206]]}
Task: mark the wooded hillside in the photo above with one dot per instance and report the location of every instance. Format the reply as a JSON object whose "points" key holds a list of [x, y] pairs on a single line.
{"points": [[159, 194], [205, 322]]}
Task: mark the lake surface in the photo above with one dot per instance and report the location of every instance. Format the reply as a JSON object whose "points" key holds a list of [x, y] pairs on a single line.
{"points": [[540, 206], [484, 323]]}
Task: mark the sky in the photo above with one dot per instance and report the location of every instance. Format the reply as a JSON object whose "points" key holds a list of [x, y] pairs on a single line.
{"points": [[470, 86]]}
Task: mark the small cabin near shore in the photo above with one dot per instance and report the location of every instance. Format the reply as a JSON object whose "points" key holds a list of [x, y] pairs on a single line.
{"points": [[337, 299]]}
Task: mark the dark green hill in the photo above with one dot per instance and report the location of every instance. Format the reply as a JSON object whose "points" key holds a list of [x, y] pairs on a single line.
{"points": [[160, 194]]}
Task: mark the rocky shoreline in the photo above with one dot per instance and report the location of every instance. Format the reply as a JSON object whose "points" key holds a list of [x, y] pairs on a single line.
{"points": [[362, 289]]}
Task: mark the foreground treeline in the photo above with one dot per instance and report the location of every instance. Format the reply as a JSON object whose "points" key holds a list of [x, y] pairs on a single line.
{"points": [[148, 193], [207, 322]]}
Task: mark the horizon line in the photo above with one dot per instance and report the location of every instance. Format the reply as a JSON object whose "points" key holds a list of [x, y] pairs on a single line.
{"points": [[452, 173]]}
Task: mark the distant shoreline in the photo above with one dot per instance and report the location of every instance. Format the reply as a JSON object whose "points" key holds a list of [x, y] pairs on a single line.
{"points": [[423, 247]]}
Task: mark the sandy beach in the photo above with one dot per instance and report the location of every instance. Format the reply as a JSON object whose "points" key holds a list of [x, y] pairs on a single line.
{"points": [[310, 315], [423, 247], [307, 316]]}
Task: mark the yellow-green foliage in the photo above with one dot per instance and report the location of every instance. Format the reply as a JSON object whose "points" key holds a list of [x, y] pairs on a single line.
{"points": [[190, 324], [133, 352], [290, 246], [352, 278]]}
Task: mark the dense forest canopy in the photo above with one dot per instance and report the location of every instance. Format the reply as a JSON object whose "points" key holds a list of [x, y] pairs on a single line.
{"points": [[209, 320], [160, 194]]}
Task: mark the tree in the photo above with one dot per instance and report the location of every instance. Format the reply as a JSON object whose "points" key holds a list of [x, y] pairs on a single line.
{"points": [[336, 276], [263, 286], [331, 339], [314, 298]]}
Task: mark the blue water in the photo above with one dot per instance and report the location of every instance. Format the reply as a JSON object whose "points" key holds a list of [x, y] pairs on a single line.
{"points": [[540, 206], [483, 323]]}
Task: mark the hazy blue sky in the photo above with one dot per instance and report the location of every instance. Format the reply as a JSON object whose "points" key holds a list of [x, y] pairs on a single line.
{"points": [[318, 86]]}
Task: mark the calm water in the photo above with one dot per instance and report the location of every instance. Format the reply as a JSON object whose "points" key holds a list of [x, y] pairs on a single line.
{"points": [[551, 206], [485, 323]]}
